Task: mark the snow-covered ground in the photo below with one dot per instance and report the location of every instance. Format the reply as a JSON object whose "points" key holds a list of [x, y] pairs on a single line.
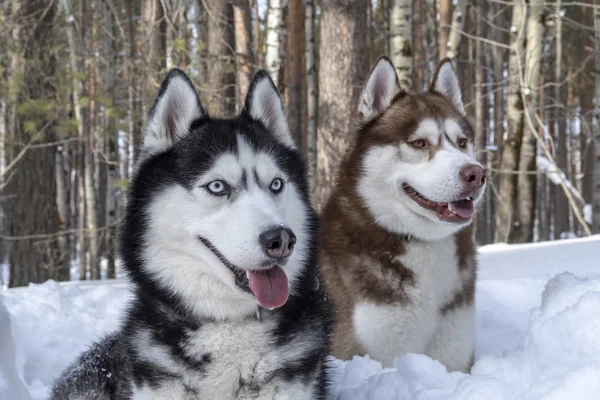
{"points": [[538, 333]]}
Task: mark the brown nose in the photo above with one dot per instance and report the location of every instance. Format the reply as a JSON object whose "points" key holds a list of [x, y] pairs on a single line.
{"points": [[473, 176], [278, 242]]}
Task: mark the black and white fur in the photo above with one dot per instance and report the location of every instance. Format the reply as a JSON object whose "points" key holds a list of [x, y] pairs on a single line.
{"points": [[193, 331]]}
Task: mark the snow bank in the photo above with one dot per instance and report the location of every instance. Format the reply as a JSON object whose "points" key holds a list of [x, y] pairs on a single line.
{"points": [[538, 333], [540, 260], [11, 383], [54, 323], [559, 359]]}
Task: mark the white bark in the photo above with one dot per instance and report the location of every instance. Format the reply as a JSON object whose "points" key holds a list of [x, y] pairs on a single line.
{"points": [[61, 203], [458, 21], [401, 40], [311, 94], [274, 39]]}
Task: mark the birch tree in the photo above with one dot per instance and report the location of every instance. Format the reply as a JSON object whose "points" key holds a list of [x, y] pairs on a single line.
{"points": [[311, 95], [445, 10], [401, 40], [459, 15], [274, 39]]}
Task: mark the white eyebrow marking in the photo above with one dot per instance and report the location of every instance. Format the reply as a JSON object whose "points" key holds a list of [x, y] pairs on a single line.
{"points": [[427, 129], [452, 129]]}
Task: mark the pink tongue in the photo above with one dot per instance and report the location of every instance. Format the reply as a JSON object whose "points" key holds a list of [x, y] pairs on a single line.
{"points": [[464, 208], [270, 287]]}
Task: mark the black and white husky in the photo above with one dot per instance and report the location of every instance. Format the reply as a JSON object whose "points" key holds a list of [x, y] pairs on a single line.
{"points": [[219, 241]]}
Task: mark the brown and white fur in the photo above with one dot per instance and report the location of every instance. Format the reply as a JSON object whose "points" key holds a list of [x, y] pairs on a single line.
{"points": [[398, 256]]}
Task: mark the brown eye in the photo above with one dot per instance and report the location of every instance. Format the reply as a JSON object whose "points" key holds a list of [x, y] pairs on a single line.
{"points": [[462, 143], [419, 143]]}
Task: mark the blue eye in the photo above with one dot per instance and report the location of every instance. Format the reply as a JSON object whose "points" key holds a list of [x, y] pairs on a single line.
{"points": [[276, 185], [218, 188]]}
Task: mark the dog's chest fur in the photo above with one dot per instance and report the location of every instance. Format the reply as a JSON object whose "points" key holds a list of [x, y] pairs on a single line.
{"points": [[231, 359], [410, 323]]}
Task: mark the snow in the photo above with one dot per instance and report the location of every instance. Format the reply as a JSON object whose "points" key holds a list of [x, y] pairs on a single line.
{"points": [[538, 325], [588, 213]]}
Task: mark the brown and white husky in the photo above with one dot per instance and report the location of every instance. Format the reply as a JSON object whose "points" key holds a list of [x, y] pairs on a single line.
{"points": [[398, 256]]}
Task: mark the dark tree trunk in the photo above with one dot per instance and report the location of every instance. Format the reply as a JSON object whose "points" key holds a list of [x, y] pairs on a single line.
{"points": [[32, 189], [221, 58], [343, 68], [295, 69]]}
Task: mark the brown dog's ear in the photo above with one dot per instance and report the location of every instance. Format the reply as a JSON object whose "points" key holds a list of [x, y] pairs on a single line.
{"points": [[445, 83], [381, 87]]}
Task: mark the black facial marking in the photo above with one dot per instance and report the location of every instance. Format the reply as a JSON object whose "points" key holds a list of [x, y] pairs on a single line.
{"points": [[244, 180], [257, 179]]}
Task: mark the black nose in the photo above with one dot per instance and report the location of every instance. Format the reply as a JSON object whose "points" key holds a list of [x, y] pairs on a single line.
{"points": [[278, 242]]}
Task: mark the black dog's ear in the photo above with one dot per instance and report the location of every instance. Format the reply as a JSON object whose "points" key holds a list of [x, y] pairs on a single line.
{"points": [[379, 90], [264, 104], [175, 108], [445, 83]]}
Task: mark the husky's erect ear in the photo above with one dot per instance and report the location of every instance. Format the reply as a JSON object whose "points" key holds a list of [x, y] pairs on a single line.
{"points": [[176, 107], [264, 104], [445, 83], [379, 91]]}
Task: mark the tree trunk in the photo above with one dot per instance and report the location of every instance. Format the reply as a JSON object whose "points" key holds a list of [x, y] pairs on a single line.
{"points": [[383, 26], [81, 111], [89, 160], [221, 58], [311, 96], [294, 70], [458, 20], [242, 16], [401, 40], [507, 192], [444, 29], [561, 208], [15, 75], [343, 69], [113, 82], [419, 59], [32, 188], [586, 88], [481, 230], [498, 55], [81, 214], [63, 259], [274, 37], [132, 71], [154, 45], [527, 178], [596, 180]]}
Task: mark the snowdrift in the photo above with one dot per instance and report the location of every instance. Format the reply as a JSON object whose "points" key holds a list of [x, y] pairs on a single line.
{"points": [[538, 333]]}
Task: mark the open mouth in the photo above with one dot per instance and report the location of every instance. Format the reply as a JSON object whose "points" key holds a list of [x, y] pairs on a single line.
{"points": [[458, 211], [268, 284]]}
